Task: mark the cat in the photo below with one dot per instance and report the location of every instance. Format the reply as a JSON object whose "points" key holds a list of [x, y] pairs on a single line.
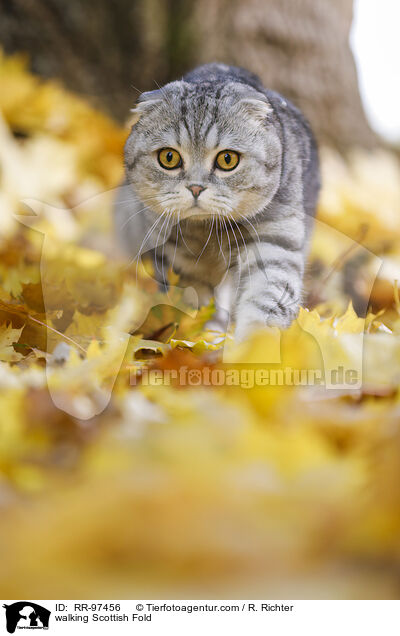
{"points": [[221, 185]]}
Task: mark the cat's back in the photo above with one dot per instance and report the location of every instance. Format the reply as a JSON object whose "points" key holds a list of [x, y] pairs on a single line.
{"points": [[216, 74]]}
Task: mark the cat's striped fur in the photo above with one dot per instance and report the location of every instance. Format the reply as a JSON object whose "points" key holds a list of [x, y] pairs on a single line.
{"points": [[252, 222]]}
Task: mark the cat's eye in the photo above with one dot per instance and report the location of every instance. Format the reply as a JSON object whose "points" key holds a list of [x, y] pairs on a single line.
{"points": [[227, 159], [169, 158]]}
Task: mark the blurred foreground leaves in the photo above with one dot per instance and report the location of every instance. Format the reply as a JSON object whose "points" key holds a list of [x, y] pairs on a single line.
{"points": [[196, 490]]}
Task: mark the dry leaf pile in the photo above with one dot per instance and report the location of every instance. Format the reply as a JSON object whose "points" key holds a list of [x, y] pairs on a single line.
{"points": [[111, 487]]}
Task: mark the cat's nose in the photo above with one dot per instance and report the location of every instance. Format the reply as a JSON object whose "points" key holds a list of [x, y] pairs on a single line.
{"points": [[196, 190]]}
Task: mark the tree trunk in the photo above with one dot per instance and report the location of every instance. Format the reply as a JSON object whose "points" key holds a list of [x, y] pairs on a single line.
{"points": [[110, 51], [299, 48]]}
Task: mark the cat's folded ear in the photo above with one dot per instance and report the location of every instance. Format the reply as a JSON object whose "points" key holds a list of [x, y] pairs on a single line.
{"points": [[256, 106], [146, 102]]}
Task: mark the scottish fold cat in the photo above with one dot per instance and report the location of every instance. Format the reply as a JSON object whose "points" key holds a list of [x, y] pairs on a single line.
{"points": [[222, 179]]}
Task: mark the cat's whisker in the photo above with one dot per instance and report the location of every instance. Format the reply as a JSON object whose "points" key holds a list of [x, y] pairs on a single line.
{"points": [[184, 242], [208, 239], [176, 239], [164, 94], [245, 249], [230, 249], [145, 200], [132, 217], [148, 233], [165, 213], [237, 246], [169, 217], [219, 239], [246, 220], [146, 207], [229, 242]]}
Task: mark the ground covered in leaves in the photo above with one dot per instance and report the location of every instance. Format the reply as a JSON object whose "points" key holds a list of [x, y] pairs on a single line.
{"points": [[112, 486]]}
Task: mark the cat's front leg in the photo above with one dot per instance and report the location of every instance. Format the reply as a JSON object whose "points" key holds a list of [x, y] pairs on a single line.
{"points": [[223, 294], [271, 277]]}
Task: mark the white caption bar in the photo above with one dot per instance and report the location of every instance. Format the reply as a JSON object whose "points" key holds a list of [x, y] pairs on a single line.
{"points": [[280, 617]]}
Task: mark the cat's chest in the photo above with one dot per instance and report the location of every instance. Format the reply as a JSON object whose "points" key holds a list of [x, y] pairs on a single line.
{"points": [[209, 241], [199, 249]]}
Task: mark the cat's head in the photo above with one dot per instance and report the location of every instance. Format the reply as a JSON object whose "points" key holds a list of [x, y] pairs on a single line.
{"points": [[198, 149]]}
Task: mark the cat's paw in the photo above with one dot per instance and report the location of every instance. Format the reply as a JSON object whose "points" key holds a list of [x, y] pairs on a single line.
{"points": [[219, 322], [216, 326]]}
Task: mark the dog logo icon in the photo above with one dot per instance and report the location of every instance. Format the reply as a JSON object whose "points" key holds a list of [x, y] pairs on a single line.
{"points": [[26, 615]]}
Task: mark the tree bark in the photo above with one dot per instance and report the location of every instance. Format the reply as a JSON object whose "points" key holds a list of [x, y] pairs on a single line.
{"points": [[111, 51], [299, 48]]}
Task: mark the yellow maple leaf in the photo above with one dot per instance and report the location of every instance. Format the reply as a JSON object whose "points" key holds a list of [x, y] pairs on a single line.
{"points": [[8, 337]]}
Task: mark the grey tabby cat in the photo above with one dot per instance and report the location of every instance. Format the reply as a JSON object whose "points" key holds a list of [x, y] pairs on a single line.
{"points": [[221, 185]]}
